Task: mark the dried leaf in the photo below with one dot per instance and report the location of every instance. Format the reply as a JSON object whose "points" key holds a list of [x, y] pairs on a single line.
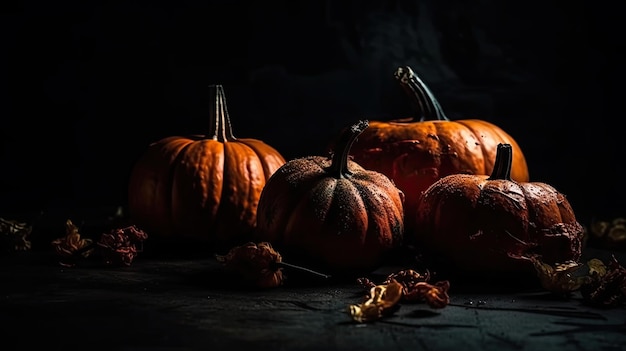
{"points": [[256, 264], [435, 295], [597, 268], [608, 285], [566, 277], [119, 246], [72, 244], [416, 288], [381, 301], [16, 233]]}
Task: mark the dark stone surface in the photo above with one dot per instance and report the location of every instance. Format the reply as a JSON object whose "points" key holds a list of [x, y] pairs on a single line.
{"points": [[185, 304]]}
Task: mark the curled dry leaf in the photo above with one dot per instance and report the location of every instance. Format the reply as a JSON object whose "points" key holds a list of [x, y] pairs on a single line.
{"points": [[435, 295], [16, 234], [381, 301], [607, 287], [416, 287], [119, 246], [565, 277], [257, 265], [72, 243]]}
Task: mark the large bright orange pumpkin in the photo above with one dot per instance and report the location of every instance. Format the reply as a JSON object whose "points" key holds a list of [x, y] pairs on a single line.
{"points": [[203, 187], [416, 151]]}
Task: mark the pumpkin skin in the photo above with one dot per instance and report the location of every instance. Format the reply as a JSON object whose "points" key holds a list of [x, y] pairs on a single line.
{"points": [[331, 213], [202, 187], [492, 224], [416, 151]]}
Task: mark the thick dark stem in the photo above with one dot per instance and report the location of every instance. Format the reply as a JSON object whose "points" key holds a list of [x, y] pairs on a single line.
{"points": [[503, 163], [339, 165], [220, 128], [427, 105]]}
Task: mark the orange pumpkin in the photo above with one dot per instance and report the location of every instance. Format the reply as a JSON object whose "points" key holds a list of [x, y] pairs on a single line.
{"points": [[416, 151], [481, 223], [203, 187], [330, 213]]}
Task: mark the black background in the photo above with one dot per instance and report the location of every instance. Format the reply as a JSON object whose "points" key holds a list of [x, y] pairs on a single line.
{"points": [[86, 86]]}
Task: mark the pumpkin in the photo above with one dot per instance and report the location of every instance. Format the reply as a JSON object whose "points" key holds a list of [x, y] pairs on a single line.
{"points": [[492, 224], [202, 187], [416, 151], [330, 213]]}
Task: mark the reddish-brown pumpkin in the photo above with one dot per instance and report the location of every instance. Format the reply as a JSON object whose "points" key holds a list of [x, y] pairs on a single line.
{"points": [[203, 187], [483, 223], [331, 213], [415, 152]]}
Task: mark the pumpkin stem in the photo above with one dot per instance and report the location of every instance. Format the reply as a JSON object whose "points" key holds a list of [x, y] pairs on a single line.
{"points": [[303, 269], [502, 165], [427, 105], [221, 129], [339, 166]]}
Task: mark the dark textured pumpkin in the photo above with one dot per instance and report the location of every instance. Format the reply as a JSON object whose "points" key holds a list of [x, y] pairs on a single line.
{"points": [[416, 151], [330, 212], [491, 223], [203, 187]]}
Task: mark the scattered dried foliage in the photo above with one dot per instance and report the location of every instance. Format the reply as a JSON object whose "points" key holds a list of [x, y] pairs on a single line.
{"points": [[600, 284], [566, 277], [607, 287], [413, 287], [118, 247]]}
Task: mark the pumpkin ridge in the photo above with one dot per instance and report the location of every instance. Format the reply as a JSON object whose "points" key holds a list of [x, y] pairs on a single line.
{"points": [[298, 182], [171, 171], [190, 194], [144, 209], [524, 210], [234, 212], [270, 158], [561, 228], [317, 195], [349, 216], [374, 200]]}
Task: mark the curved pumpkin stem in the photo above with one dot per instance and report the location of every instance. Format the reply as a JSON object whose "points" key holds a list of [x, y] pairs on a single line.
{"points": [[503, 163], [221, 129], [425, 100], [339, 166]]}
